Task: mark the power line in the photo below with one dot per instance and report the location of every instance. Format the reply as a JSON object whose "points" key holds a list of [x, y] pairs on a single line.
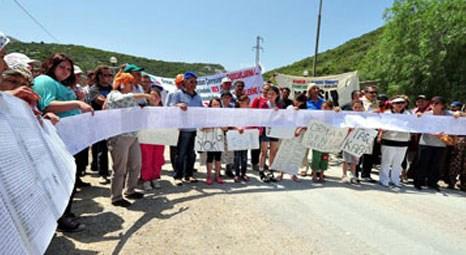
{"points": [[21, 6]]}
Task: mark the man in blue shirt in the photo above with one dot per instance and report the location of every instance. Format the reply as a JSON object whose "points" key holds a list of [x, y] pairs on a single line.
{"points": [[184, 98], [314, 101]]}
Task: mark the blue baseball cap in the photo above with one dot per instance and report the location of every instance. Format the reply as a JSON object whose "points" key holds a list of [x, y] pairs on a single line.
{"points": [[188, 75]]}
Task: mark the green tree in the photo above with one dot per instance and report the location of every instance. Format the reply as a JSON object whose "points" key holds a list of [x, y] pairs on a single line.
{"points": [[422, 49]]}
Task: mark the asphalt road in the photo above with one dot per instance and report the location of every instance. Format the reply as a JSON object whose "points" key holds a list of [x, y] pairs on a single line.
{"points": [[279, 218]]}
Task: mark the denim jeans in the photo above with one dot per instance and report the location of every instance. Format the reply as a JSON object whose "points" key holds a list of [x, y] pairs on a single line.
{"points": [[241, 162], [186, 156]]}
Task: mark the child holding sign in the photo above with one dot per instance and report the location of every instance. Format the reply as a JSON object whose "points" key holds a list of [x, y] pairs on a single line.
{"points": [[320, 159], [350, 161], [241, 157], [214, 155]]}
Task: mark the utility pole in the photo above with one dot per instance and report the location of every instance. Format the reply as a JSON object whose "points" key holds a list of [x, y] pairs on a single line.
{"points": [[317, 40], [258, 49]]}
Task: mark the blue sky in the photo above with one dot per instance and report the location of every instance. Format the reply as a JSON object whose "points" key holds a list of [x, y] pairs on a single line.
{"points": [[211, 31]]}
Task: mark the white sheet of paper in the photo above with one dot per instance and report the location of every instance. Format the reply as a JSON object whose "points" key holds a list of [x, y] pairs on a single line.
{"points": [[359, 142], [248, 140], [162, 136], [280, 132], [210, 140], [290, 156]]}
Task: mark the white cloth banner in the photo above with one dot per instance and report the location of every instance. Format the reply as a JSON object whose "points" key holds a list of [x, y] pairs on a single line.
{"points": [[279, 132], [210, 140], [248, 140], [36, 179], [359, 142], [290, 156], [79, 132], [324, 138], [162, 136], [337, 88]]}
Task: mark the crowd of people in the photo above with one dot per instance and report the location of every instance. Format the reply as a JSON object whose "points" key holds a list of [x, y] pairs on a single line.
{"points": [[61, 89]]}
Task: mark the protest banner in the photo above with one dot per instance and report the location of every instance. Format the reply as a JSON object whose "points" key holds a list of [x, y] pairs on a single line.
{"points": [[248, 140], [290, 156], [162, 136], [359, 142], [280, 132], [209, 87], [81, 131], [37, 176], [324, 138], [211, 139], [336, 88]]}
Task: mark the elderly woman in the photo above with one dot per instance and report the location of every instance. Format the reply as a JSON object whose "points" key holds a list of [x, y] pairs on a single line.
{"points": [[125, 149]]}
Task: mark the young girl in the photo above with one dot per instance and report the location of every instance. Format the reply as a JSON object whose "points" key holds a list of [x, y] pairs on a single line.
{"points": [[241, 157], [320, 159], [349, 161], [214, 155], [152, 155], [272, 103]]}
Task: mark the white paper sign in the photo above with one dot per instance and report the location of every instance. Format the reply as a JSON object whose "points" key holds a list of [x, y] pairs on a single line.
{"points": [[210, 140], [280, 132], [162, 136], [359, 142], [324, 138], [290, 156], [248, 140]]}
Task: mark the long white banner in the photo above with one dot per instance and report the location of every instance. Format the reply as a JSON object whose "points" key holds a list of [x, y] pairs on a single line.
{"points": [[79, 132]]}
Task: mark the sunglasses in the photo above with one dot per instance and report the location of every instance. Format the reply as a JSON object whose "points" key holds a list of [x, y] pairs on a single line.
{"points": [[107, 75], [398, 103], [372, 92]]}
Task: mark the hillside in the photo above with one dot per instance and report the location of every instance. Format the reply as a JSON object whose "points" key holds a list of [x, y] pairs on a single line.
{"points": [[345, 58], [89, 58]]}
